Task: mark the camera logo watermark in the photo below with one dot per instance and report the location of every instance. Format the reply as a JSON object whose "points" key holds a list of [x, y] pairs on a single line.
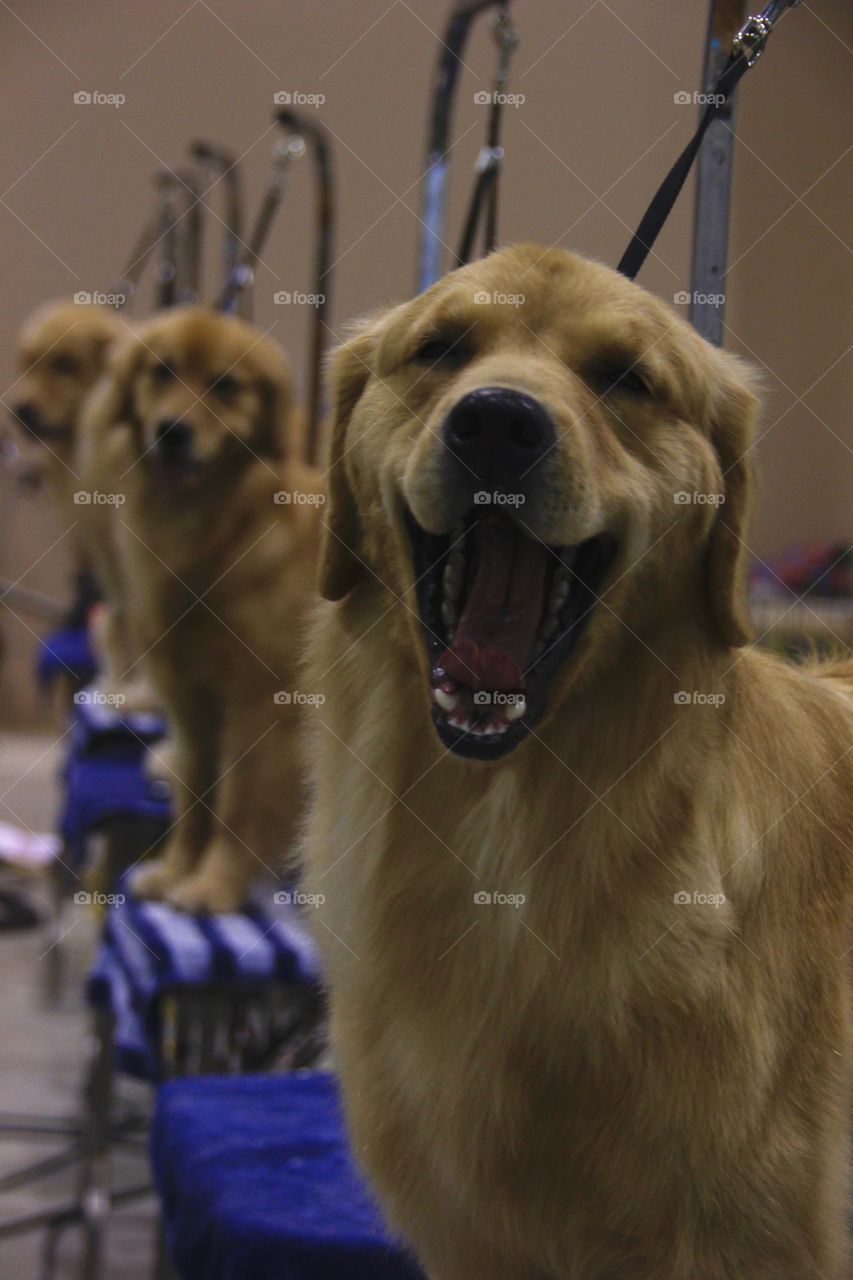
{"points": [[684, 298], [482, 498], [497, 698], [288, 98], [295, 898], [298, 498], [95, 498], [285, 299], [483, 297], [682, 98], [95, 698], [295, 698], [86, 299], [694, 698], [82, 898], [84, 98], [684, 499], [696, 899], [487, 99], [483, 898]]}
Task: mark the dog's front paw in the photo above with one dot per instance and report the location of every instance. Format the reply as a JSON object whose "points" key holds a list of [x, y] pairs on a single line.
{"points": [[154, 878], [204, 894]]}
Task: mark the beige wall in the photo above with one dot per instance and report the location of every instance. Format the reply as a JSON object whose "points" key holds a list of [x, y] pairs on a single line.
{"points": [[599, 95]]}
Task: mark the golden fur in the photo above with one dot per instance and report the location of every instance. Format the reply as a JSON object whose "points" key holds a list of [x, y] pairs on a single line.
{"points": [[602, 1082], [219, 575], [63, 349]]}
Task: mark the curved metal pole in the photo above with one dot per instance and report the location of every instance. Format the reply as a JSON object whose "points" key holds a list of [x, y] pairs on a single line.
{"points": [[323, 237], [167, 263], [218, 161], [139, 257], [235, 296], [190, 225], [441, 115]]}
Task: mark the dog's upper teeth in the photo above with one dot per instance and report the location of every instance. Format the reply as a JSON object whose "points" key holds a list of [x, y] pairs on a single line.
{"points": [[447, 701], [549, 626], [559, 591], [452, 581], [449, 613], [517, 709]]}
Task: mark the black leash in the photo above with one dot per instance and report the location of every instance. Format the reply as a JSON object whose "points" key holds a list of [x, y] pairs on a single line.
{"points": [[746, 50]]}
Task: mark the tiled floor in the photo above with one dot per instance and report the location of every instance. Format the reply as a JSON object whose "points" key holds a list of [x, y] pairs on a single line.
{"points": [[42, 1050]]}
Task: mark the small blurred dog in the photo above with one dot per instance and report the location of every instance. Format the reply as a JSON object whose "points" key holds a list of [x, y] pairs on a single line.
{"points": [[62, 351], [219, 538], [585, 859]]}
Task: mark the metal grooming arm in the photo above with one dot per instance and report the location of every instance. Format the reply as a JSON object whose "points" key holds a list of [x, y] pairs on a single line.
{"points": [[167, 185], [235, 296], [318, 139], [219, 162], [441, 116]]}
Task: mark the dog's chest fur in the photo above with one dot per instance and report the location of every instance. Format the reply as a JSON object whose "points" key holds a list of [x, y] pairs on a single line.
{"points": [[571, 1062]]}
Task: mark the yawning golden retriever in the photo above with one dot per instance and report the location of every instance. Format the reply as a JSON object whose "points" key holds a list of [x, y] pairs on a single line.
{"points": [[585, 858], [219, 535]]}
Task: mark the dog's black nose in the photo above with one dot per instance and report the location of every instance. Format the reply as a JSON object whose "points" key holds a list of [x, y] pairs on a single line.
{"points": [[174, 440], [27, 416], [499, 433]]}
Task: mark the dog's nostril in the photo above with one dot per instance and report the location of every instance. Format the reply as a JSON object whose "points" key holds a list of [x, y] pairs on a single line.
{"points": [[173, 435], [527, 433]]}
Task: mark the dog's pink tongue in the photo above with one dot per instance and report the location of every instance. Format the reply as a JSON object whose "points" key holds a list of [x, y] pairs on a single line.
{"points": [[497, 629]]}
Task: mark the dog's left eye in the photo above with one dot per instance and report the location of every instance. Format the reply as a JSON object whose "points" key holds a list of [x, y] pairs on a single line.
{"points": [[162, 373], [225, 386], [65, 366], [446, 353], [614, 379]]}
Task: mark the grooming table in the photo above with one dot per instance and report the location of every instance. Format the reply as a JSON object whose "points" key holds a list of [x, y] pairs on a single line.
{"points": [[256, 1183], [187, 993], [65, 652], [104, 778]]}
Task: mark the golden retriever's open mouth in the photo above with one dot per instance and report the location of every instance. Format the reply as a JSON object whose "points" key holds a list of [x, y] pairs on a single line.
{"points": [[501, 612]]}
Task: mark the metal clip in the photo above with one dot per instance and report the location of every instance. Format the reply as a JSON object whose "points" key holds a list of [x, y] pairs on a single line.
{"points": [[751, 39]]}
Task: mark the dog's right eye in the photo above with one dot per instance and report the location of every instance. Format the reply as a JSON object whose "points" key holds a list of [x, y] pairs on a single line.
{"points": [[162, 373], [443, 353]]}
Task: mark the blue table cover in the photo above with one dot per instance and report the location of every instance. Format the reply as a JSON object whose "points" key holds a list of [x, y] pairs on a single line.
{"points": [[65, 651], [149, 948], [257, 1183]]}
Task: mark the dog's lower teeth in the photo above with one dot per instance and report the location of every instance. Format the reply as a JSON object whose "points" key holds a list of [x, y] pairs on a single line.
{"points": [[447, 701], [559, 593], [549, 626]]}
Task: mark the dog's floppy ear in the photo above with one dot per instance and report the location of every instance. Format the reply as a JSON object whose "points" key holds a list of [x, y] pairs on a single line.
{"points": [[273, 433], [734, 415], [340, 565], [115, 402]]}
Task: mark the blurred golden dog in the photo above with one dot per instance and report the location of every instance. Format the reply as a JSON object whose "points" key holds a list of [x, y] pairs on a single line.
{"points": [[585, 859], [219, 536], [62, 351]]}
